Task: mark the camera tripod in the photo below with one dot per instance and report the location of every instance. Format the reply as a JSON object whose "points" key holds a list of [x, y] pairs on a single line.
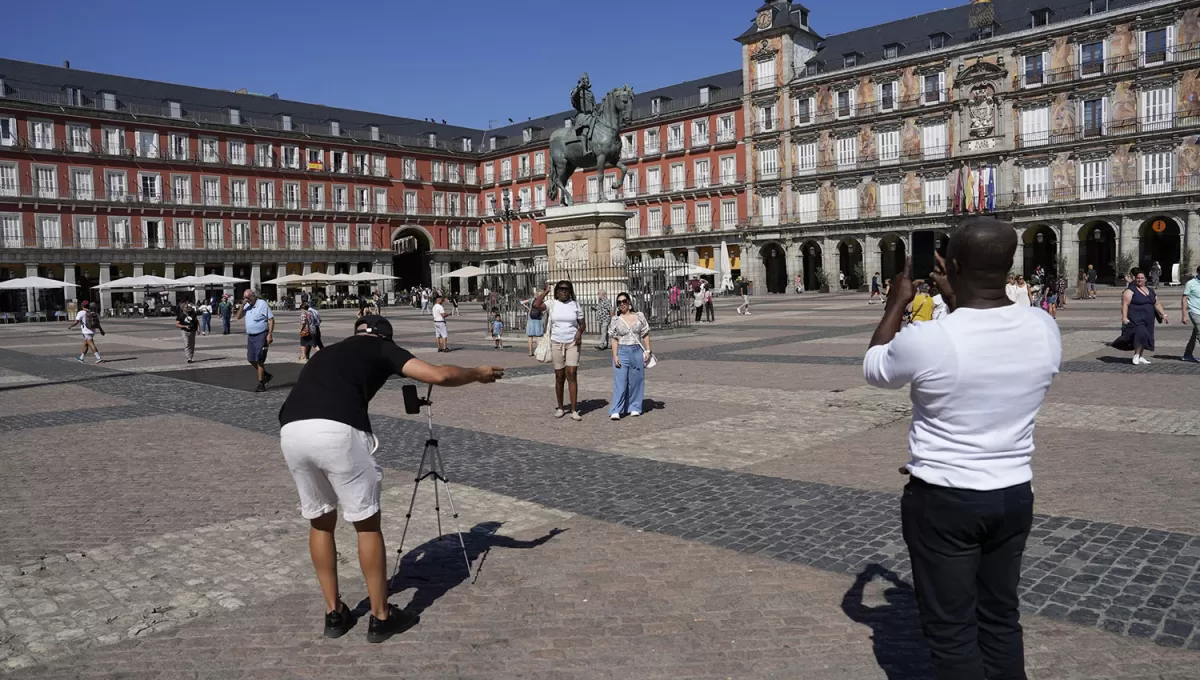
{"points": [[432, 467]]}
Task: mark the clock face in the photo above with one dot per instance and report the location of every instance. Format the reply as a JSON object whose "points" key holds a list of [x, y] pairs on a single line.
{"points": [[764, 19]]}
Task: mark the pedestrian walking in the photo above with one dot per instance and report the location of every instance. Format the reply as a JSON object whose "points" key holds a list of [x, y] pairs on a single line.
{"points": [[566, 324], [308, 336], [326, 439], [225, 309], [743, 289], [260, 329], [967, 508], [1139, 311], [604, 314], [1191, 312], [708, 303], [206, 312], [314, 320], [698, 302], [875, 292], [497, 330], [534, 328], [630, 353], [89, 324], [188, 324], [1081, 286], [441, 333], [1091, 282], [1155, 274]]}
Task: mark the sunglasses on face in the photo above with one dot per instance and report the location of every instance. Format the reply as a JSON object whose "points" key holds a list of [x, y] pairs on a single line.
{"points": [[623, 301]]}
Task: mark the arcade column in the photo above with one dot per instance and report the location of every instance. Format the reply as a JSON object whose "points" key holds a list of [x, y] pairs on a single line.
{"points": [[169, 272], [139, 295]]}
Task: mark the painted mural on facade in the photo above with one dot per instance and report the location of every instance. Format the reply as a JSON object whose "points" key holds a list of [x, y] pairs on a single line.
{"points": [[1062, 115], [910, 138], [1188, 103], [866, 142], [1189, 28], [912, 193], [827, 202], [865, 97], [825, 149], [1122, 168], [1124, 104], [1062, 54], [1062, 175], [1122, 45], [868, 199], [910, 86], [824, 101], [774, 46], [1188, 159]]}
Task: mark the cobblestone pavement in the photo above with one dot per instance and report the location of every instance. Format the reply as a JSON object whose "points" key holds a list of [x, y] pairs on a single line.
{"points": [[151, 528]]}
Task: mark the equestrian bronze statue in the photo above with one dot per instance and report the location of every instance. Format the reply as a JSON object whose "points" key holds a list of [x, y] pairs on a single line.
{"points": [[592, 141]]}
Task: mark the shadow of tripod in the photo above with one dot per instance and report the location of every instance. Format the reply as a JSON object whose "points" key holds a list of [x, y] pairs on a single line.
{"points": [[436, 566], [899, 646]]}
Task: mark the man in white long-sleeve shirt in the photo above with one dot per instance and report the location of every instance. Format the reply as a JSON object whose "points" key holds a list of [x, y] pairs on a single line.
{"points": [[978, 377]]}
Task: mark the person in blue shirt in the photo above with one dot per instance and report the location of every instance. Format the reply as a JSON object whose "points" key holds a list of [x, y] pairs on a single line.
{"points": [[260, 324], [497, 329], [1191, 312]]}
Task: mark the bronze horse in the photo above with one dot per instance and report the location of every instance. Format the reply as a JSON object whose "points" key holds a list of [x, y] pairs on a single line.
{"points": [[567, 150]]}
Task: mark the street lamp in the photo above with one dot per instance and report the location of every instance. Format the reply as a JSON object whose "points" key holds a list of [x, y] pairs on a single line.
{"points": [[507, 213]]}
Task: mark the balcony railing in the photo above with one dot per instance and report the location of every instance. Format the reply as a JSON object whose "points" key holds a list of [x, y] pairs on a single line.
{"points": [[700, 140], [1117, 128], [726, 136], [674, 144], [766, 126], [765, 83]]}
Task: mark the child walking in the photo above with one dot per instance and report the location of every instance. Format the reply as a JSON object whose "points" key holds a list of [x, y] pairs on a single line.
{"points": [[497, 329]]}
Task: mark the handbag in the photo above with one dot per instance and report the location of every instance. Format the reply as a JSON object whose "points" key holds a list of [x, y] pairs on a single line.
{"points": [[653, 360], [541, 353], [304, 329]]}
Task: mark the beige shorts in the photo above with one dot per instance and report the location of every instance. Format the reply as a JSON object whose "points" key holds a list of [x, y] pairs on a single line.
{"points": [[564, 353]]}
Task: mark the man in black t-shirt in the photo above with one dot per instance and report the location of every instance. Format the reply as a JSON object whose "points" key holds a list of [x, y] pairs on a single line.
{"points": [[327, 441], [187, 323]]}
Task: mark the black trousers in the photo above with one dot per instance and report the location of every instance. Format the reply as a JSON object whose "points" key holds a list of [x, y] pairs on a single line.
{"points": [[966, 549]]}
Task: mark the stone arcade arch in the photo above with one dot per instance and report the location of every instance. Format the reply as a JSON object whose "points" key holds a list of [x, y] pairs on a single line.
{"points": [[1040, 250], [1159, 241], [811, 254], [411, 245], [850, 257], [774, 260], [892, 255], [1098, 248]]}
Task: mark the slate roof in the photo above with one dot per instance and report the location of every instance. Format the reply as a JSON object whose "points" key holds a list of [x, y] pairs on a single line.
{"points": [[913, 32]]}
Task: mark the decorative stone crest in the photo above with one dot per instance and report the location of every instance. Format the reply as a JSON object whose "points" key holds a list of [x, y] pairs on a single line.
{"points": [[571, 252], [616, 249], [981, 108]]}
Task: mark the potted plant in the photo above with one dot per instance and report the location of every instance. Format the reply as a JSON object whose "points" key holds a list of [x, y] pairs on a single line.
{"points": [[860, 278], [1122, 266], [822, 280]]}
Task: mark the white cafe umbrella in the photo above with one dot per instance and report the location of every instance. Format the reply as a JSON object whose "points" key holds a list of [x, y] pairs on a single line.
{"points": [[697, 270], [35, 283], [368, 276], [286, 280], [319, 277], [145, 281], [501, 268], [464, 273], [726, 268]]}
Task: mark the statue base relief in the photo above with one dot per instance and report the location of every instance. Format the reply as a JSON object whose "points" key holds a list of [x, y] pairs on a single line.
{"points": [[586, 244]]}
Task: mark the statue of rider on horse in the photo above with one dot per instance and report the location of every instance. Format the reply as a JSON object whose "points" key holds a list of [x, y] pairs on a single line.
{"points": [[592, 141]]}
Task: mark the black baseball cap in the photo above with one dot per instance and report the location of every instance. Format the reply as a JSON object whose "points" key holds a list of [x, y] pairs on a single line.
{"points": [[375, 325]]}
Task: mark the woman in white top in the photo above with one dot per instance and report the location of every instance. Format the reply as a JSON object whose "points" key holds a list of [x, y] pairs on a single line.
{"points": [[630, 351], [1021, 294], [206, 311], [564, 317]]}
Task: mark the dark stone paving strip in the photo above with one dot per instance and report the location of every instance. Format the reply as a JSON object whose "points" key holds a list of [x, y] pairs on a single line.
{"points": [[33, 421], [1126, 580]]}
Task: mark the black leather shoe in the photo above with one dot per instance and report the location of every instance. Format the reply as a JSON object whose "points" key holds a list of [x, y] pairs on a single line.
{"points": [[338, 623], [397, 621]]}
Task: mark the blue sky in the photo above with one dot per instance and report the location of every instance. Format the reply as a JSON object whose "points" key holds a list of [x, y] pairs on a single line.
{"points": [[470, 62]]}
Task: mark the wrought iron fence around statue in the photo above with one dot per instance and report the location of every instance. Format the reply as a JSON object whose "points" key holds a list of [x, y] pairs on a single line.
{"points": [[510, 291]]}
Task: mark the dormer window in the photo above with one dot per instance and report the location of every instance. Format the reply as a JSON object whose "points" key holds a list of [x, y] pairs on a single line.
{"points": [[432, 137], [937, 41], [466, 144], [2, 90], [704, 94], [285, 122], [891, 51], [812, 69], [527, 135], [1040, 17], [849, 60], [108, 101], [492, 143], [984, 32], [175, 109], [74, 96], [656, 106], [374, 133], [335, 128], [235, 117]]}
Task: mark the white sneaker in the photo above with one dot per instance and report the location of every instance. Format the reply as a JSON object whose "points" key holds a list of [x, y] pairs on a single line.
{"points": [[575, 416], [634, 414], [615, 416], [559, 413], [1145, 361]]}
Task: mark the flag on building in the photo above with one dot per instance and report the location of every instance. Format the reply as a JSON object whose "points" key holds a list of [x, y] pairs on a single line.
{"points": [[979, 202], [991, 190], [958, 189], [970, 189]]}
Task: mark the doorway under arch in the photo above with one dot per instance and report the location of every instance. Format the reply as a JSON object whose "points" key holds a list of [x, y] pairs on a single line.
{"points": [[850, 262], [811, 254], [410, 257], [1160, 242], [775, 264], [1041, 250], [1098, 248], [892, 255]]}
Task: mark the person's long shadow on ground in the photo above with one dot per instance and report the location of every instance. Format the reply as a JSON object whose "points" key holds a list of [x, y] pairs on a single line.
{"points": [[900, 650], [435, 567]]}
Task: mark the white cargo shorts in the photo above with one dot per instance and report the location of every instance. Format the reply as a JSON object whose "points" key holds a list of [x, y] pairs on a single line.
{"points": [[332, 464]]}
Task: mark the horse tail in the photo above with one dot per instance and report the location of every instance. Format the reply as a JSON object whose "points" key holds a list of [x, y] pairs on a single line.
{"points": [[552, 176]]}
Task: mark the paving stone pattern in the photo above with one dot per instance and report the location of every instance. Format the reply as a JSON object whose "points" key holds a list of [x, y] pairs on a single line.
{"points": [[1126, 580]]}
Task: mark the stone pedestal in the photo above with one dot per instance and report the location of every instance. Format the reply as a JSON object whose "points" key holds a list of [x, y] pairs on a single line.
{"points": [[586, 244]]}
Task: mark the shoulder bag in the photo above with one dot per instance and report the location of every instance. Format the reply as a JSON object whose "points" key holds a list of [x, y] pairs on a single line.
{"points": [[653, 360], [541, 353]]}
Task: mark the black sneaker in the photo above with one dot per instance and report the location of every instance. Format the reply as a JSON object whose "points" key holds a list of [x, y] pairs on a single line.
{"points": [[338, 623], [267, 377], [397, 621], [261, 388]]}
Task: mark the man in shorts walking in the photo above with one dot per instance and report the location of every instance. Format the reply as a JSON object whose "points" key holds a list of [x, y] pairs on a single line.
{"points": [[188, 324], [260, 325], [89, 323], [440, 332], [327, 442]]}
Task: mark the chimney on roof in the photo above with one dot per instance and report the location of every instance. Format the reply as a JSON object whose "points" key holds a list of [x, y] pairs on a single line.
{"points": [[66, 63]]}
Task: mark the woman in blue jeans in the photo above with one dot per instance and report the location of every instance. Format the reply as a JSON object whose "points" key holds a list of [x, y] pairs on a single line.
{"points": [[630, 333]]}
